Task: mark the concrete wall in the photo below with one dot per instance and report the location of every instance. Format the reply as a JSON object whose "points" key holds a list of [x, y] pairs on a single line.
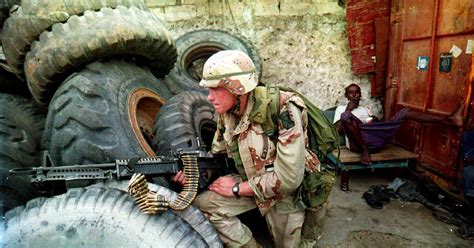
{"points": [[302, 43]]}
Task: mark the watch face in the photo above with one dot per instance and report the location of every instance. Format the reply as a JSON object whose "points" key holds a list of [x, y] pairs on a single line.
{"points": [[235, 189]]}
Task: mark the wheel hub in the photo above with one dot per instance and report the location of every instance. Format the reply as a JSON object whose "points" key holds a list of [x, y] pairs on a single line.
{"points": [[143, 106]]}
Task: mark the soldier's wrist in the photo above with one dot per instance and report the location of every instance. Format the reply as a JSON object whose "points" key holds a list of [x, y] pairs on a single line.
{"points": [[236, 190]]}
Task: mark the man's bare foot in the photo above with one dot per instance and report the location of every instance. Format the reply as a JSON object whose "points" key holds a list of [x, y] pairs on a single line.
{"points": [[365, 158], [455, 118]]}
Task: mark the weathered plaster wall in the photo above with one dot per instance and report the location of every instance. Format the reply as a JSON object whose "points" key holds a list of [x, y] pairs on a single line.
{"points": [[302, 43]]}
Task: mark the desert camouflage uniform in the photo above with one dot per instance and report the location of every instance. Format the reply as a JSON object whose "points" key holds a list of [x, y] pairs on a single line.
{"points": [[275, 171], [274, 168]]}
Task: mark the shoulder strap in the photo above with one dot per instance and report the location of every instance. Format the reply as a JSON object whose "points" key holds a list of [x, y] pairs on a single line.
{"points": [[274, 108], [266, 109], [239, 165]]}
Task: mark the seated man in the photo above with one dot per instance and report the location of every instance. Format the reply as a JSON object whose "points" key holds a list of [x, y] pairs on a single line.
{"points": [[365, 135]]}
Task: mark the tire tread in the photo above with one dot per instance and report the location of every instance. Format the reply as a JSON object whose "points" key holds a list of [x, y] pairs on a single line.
{"points": [[35, 17]]}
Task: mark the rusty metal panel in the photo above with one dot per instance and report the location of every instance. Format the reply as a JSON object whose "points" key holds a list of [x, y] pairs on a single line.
{"points": [[455, 16], [412, 90], [418, 18], [450, 87], [440, 148]]}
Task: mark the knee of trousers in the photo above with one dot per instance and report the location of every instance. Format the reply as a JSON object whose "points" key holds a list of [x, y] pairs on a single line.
{"points": [[215, 214], [215, 205], [206, 201]]}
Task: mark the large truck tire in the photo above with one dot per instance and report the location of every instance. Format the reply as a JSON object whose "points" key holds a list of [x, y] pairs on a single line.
{"points": [[97, 35], [103, 113], [192, 215], [28, 21], [194, 48], [95, 217], [181, 120], [21, 127]]}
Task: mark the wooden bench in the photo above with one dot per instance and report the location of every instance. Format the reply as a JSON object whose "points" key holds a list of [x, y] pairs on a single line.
{"points": [[390, 157]]}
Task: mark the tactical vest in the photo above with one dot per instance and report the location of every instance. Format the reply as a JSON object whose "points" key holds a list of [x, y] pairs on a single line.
{"points": [[322, 134]]}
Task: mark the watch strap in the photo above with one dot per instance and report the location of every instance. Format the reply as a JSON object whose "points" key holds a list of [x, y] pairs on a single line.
{"points": [[236, 190]]}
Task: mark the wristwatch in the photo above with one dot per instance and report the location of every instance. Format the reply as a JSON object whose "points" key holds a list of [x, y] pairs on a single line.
{"points": [[236, 189]]}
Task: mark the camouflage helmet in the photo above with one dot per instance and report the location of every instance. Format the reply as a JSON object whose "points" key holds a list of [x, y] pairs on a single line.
{"points": [[231, 69]]}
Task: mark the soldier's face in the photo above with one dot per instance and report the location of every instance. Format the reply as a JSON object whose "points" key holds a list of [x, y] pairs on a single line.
{"points": [[222, 99]]}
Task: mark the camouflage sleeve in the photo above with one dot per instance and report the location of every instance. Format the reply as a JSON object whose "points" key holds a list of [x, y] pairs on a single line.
{"points": [[288, 166]]}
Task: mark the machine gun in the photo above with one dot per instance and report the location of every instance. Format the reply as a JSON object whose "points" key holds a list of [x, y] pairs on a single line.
{"points": [[195, 164]]}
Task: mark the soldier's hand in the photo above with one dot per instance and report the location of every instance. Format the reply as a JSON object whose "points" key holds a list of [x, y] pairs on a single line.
{"points": [[223, 185], [179, 178]]}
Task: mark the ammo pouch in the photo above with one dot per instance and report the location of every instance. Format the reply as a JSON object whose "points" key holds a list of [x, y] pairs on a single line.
{"points": [[315, 189]]}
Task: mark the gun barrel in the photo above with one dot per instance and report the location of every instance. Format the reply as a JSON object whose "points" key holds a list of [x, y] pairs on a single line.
{"points": [[22, 171]]}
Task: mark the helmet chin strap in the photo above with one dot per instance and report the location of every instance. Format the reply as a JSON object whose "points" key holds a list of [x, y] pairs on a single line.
{"points": [[240, 105], [236, 109]]}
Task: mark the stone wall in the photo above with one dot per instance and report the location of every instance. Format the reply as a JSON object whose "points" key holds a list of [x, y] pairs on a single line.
{"points": [[302, 43]]}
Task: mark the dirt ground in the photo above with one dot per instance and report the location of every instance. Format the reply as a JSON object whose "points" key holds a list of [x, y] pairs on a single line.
{"points": [[350, 222]]}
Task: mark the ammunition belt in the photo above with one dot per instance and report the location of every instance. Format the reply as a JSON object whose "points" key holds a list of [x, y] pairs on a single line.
{"points": [[150, 202], [189, 192]]}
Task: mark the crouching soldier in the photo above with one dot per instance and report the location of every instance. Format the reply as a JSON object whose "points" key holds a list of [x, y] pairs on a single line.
{"points": [[270, 169]]}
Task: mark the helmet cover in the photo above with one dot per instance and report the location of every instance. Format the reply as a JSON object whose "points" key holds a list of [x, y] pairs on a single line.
{"points": [[231, 69]]}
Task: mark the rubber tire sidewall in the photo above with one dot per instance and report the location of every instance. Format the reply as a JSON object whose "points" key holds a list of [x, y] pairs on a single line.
{"points": [[181, 120], [192, 215], [96, 217], [88, 120]]}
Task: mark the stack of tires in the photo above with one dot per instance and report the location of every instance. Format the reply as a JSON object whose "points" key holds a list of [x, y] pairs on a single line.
{"points": [[104, 81]]}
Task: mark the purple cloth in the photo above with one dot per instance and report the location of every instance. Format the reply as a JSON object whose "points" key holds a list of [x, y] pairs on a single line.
{"points": [[375, 135]]}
